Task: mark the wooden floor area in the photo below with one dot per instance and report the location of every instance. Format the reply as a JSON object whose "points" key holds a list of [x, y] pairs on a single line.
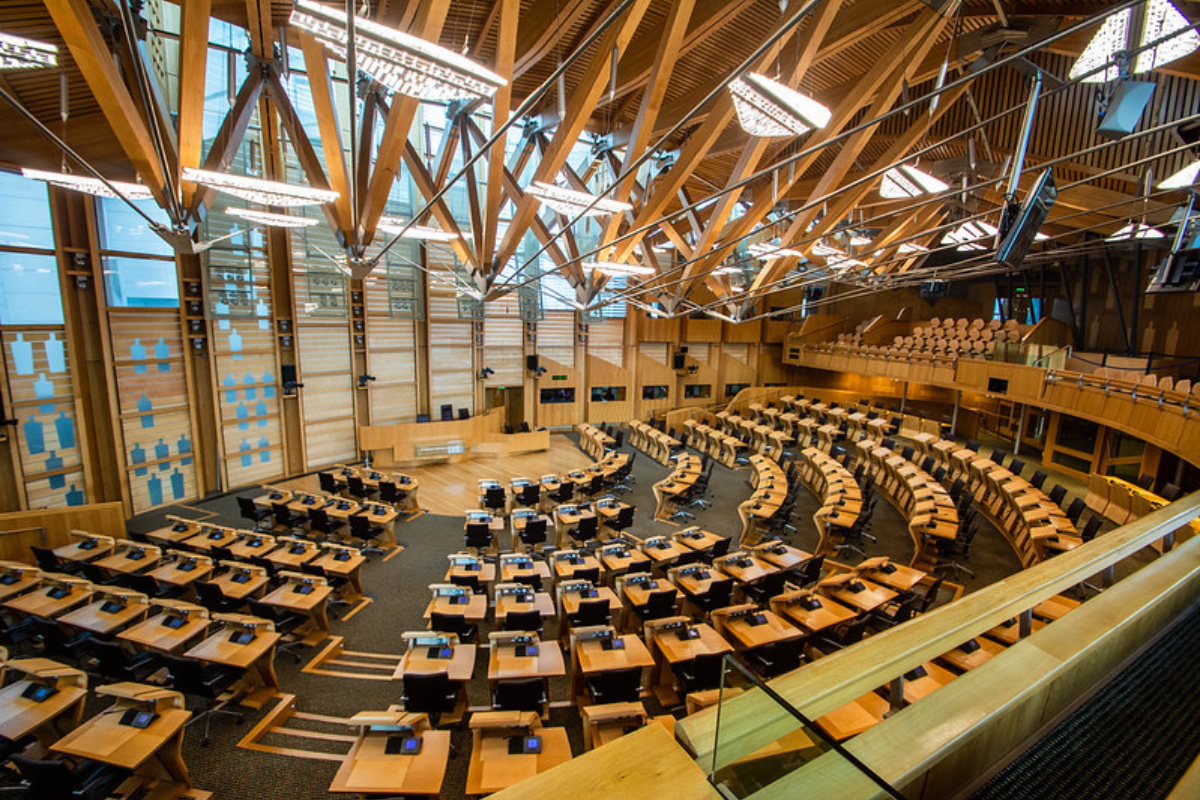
{"points": [[451, 488]]}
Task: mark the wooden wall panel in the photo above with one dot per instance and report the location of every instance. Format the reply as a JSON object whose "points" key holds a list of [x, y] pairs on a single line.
{"points": [[49, 528], [556, 338], [327, 399]]}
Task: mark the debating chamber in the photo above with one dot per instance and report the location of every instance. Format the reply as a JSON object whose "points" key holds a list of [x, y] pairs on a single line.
{"points": [[599, 399]]}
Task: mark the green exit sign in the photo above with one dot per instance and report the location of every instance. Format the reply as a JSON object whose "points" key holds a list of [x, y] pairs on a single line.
{"points": [[560, 377]]}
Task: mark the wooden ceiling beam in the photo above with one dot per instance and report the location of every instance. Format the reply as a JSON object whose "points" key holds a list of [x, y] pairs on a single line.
{"points": [[430, 17], [540, 28], [83, 38], [428, 187], [507, 14], [579, 105], [229, 137], [193, 67], [321, 88]]}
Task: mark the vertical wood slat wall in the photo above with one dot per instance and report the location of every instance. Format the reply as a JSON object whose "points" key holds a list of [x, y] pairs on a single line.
{"points": [[391, 358]]}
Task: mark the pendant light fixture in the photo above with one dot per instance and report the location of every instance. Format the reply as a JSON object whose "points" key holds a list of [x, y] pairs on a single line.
{"points": [[571, 203], [19, 53], [270, 220], [767, 108], [256, 190]]}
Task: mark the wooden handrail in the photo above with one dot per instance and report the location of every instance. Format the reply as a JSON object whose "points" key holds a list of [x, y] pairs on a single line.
{"points": [[751, 720]]}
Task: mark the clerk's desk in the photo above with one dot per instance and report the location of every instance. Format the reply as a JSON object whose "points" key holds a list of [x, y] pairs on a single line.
{"points": [[54, 715], [479, 435], [493, 767], [153, 751], [256, 656], [369, 769]]}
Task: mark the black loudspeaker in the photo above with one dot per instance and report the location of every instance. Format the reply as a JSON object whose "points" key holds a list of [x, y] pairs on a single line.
{"points": [[531, 362], [287, 373], [677, 361], [464, 413], [447, 412]]}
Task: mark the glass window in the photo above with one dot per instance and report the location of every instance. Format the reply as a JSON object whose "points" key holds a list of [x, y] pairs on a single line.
{"points": [[25, 213], [140, 282], [654, 393], [1077, 434], [608, 394], [29, 290], [124, 230], [695, 391], [558, 395], [731, 389]]}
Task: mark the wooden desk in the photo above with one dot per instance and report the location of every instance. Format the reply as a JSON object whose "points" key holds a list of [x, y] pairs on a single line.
{"points": [[240, 590], [208, 538], [177, 573], [564, 568], [40, 604], [127, 559], [416, 661], [257, 657], [94, 618], [510, 571], [676, 650], [1009, 632], [473, 610], [854, 717], [152, 634], [869, 599], [593, 658], [505, 664], [51, 718], [284, 557], [542, 603], [697, 583], [314, 605], [962, 660], [571, 600], [252, 544], [747, 636], [368, 769], [569, 518], [486, 572], [23, 578], [755, 571], [935, 678], [697, 540], [350, 569], [151, 750], [615, 562], [828, 615], [902, 578], [663, 551], [637, 595], [780, 555], [493, 768], [86, 548]]}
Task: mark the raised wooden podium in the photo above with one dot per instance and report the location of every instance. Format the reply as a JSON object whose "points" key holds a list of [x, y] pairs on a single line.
{"points": [[480, 436]]}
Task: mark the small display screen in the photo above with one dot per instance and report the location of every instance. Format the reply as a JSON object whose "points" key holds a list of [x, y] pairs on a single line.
{"points": [[89, 544], [241, 637], [112, 606], [459, 600], [136, 554], [37, 692], [342, 555], [612, 644], [138, 718], [888, 568], [687, 633], [440, 652], [215, 535], [856, 586], [524, 745], [526, 650], [187, 566], [58, 592], [970, 647], [179, 527], [240, 577], [9, 579], [303, 588], [403, 745], [810, 604], [297, 549], [173, 622], [757, 619]]}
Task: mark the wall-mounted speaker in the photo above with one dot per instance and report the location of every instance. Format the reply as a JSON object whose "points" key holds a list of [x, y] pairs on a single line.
{"points": [[531, 363], [678, 362]]}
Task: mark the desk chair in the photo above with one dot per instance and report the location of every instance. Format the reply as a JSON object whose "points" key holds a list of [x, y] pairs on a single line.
{"points": [[1091, 528], [564, 492], [283, 517], [523, 621], [211, 597], [330, 484], [362, 531], [48, 561], [98, 576], [221, 554], [144, 584], [210, 682], [930, 596], [719, 595], [587, 530], [658, 605], [356, 488], [534, 582], [701, 673], [529, 496], [319, 522], [478, 536], [1145, 481], [1170, 492], [1038, 479], [453, 623], [113, 662], [526, 694], [54, 640], [1075, 510], [591, 574], [251, 511], [433, 694], [845, 635], [1015, 466], [772, 660], [495, 499], [534, 533], [594, 487], [718, 550], [953, 549], [892, 614], [272, 571], [997, 457], [390, 492], [806, 573], [765, 588], [286, 622], [591, 612], [471, 582], [1058, 494], [623, 520], [52, 779], [615, 686], [335, 582], [523, 427]]}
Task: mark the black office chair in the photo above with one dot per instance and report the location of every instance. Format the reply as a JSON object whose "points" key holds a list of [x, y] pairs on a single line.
{"points": [[249, 510], [973, 445], [433, 694], [587, 530], [564, 492], [1091, 528], [892, 614], [773, 660], [591, 613], [495, 499], [210, 596], [1075, 510], [471, 582], [363, 532], [285, 518], [659, 604], [523, 621], [951, 551], [998, 456], [930, 596], [1170, 492], [98, 576], [52, 779], [624, 519], [207, 681], [1038, 479], [1057, 494], [1016, 466], [268, 566], [356, 488], [478, 536], [530, 495], [330, 483], [719, 549], [55, 642], [48, 561], [453, 623], [762, 590], [286, 623], [844, 635], [526, 694], [112, 661], [534, 533], [615, 686], [808, 572], [524, 427], [590, 574], [144, 584], [1145, 481], [701, 673], [319, 522], [533, 581], [391, 493], [719, 595]]}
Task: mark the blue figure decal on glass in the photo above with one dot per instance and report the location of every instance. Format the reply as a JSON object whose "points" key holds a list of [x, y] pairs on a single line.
{"points": [[243, 416], [53, 463], [260, 308], [22, 352], [269, 385], [250, 392], [137, 351], [261, 411], [154, 487], [35, 437], [247, 458], [145, 404], [177, 485], [162, 451], [138, 456], [184, 446], [56, 359], [222, 324], [230, 384], [235, 343], [265, 456], [66, 431], [43, 389], [162, 350], [74, 496]]}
